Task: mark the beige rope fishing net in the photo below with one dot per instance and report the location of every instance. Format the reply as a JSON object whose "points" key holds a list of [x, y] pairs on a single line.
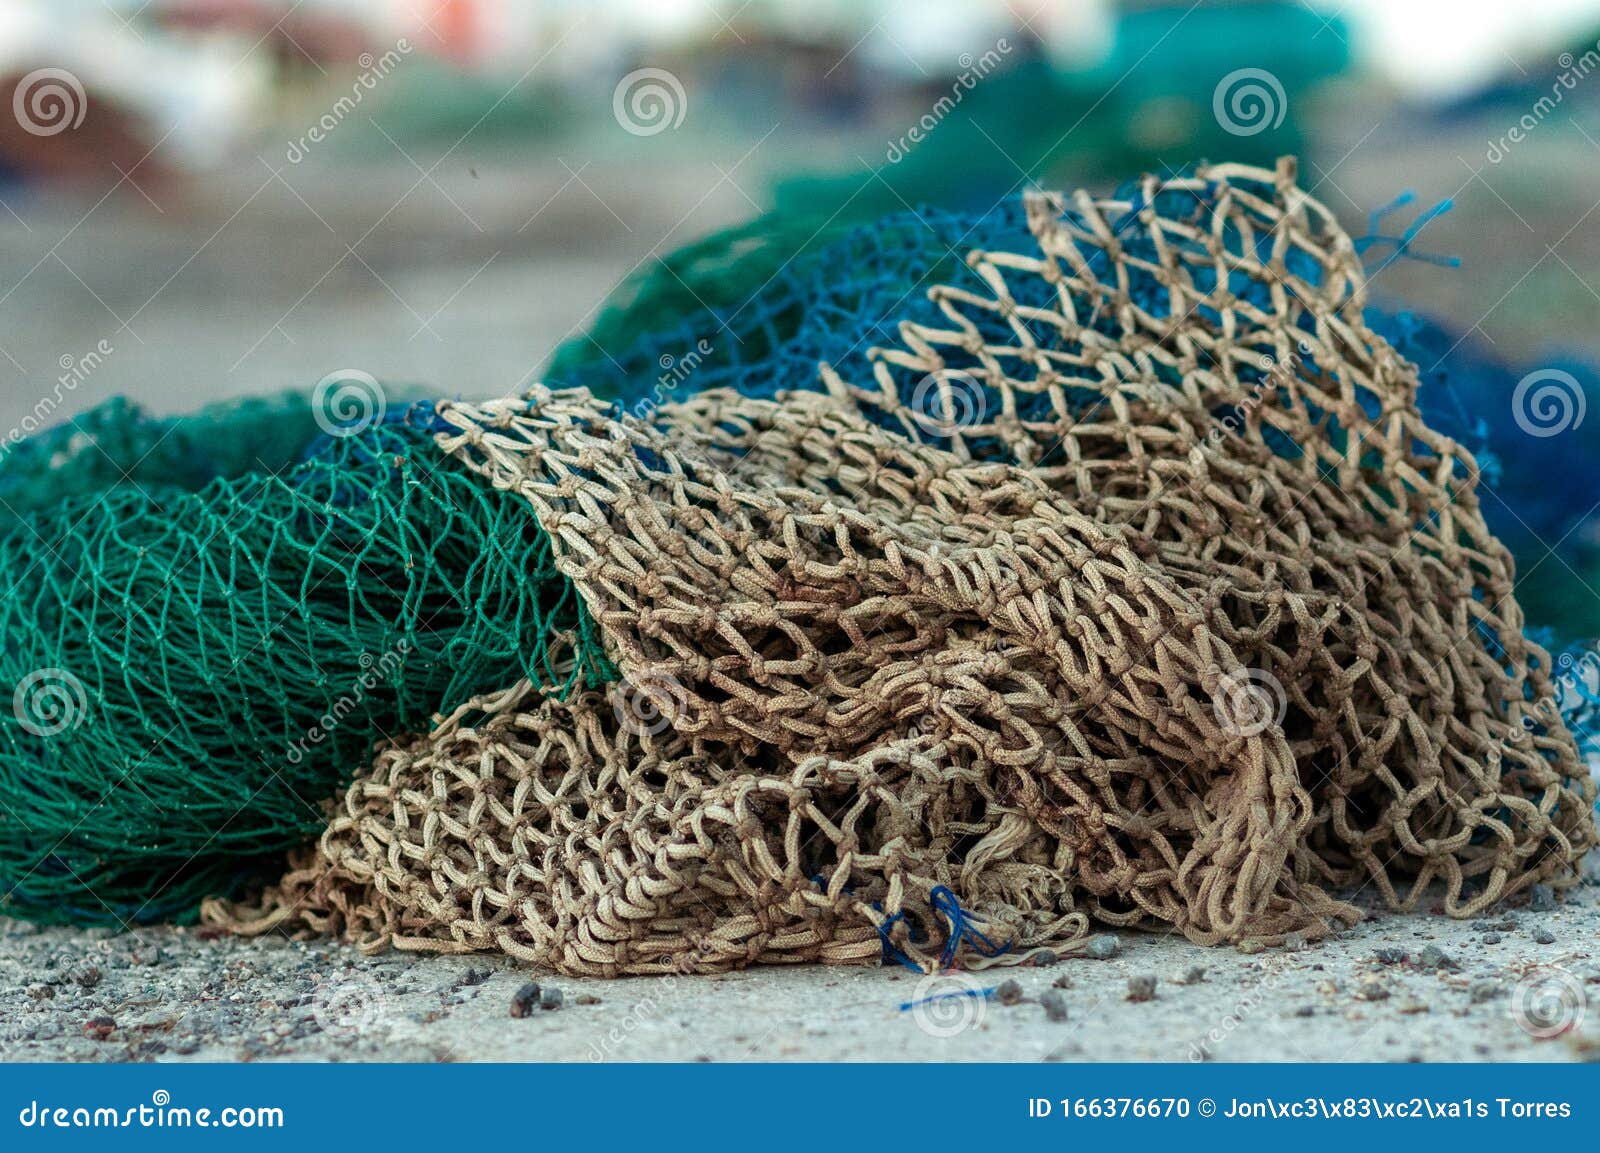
{"points": [[924, 677]]}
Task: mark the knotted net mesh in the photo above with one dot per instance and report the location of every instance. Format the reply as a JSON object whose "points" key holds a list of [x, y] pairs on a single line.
{"points": [[1077, 608], [208, 629]]}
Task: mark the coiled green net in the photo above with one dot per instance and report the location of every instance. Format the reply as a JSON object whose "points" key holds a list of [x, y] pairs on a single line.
{"points": [[208, 630]]}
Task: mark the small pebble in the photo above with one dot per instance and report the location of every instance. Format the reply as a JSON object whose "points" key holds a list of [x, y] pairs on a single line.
{"points": [[1411, 1006], [1045, 958], [1544, 937], [99, 1028], [1193, 975], [1008, 992], [1391, 956], [1372, 990], [1433, 957], [1062, 982], [586, 999], [1481, 991], [1491, 938], [1306, 1011], [524, 999], [1250, 947], [1141, 988], [1541, 898], [1103, 947], [1053, 1004], [1294, 942], [549, 997], [475, 977]]}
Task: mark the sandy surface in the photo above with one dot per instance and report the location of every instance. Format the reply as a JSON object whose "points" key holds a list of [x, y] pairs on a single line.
{"points": [[181, 994]]}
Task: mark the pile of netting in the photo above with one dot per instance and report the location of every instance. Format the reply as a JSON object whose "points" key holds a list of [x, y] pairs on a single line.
{"points": [[1119, 581]]}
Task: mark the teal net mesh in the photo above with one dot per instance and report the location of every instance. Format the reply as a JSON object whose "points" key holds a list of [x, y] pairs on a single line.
{"points": [[204, 647]]}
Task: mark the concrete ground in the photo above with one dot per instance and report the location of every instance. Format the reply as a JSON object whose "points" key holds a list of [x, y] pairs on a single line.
{"points": [[1513, 986]]}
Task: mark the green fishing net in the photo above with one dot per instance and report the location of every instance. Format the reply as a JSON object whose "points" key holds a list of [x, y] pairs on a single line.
{"points": [[209, 625], [758, 306], [119, 443]]}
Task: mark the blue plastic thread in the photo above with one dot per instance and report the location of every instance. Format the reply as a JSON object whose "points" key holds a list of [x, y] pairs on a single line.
{"points": [[1402, 243], [948, 906], [951, 995]]}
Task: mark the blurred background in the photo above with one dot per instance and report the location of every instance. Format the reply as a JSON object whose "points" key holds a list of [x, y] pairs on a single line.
{"points": [[203, 199]]}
